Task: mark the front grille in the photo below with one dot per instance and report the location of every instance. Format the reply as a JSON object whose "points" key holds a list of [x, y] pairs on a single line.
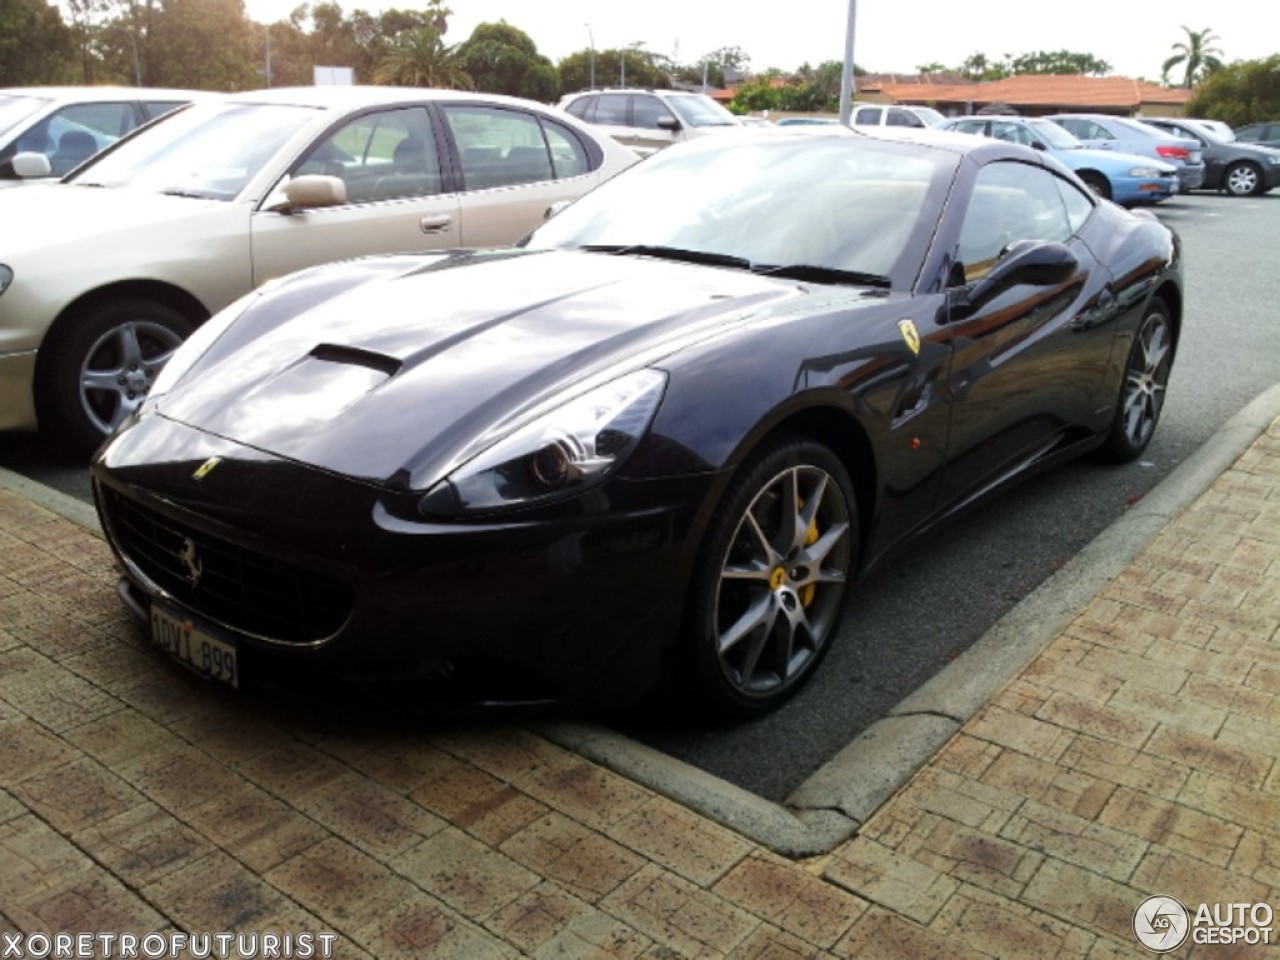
{"points": [[237, 587]]}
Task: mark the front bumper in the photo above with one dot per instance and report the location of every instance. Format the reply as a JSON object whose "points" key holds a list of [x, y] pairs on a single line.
{"points": [[1190, 177], [342, 579]]}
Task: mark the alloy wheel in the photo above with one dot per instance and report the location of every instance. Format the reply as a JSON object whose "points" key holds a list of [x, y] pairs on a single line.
{"points": [[1146, 379], [781, 582]]}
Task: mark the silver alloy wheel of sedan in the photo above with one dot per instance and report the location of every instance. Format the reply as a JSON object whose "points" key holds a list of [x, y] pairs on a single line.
{"points": [[780, 575], [120, 367]]}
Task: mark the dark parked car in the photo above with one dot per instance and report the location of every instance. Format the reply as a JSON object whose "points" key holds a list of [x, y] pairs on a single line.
{"points": [[1241, 169], [663, 435], [1263, 134]]}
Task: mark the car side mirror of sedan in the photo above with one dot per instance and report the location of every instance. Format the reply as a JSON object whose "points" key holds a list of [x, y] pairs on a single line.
{"points": [[1036, 263], [31, 165], [314, 190], [668, 123], [555, 209]]}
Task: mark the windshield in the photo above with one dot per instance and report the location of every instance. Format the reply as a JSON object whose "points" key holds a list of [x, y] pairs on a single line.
{"points": [[13, 110], [1054, 135], [929, 115], [208, 150], [697, 110], [834, 202]]}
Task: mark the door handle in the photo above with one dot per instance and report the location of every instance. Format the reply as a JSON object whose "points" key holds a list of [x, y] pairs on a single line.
{"points": [[437, 224]]}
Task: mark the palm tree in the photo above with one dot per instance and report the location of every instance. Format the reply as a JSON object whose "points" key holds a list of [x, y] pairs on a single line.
{"points": [[1197, 55], [419, 58]]}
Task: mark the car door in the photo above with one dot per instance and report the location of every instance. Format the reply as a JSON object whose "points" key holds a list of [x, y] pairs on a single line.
{"points": [[397, 197], [1029, 359], [514, 164]]}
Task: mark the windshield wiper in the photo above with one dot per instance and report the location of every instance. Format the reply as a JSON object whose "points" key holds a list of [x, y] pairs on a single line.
{"points": [[817, 274], [670, 253], [179, 192]]}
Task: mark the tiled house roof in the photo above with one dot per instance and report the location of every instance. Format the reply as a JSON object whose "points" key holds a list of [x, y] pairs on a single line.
{"points": [[1047, 92]]}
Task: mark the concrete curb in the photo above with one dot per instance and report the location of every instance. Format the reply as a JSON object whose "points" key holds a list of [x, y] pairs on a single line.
{"points": [[830, 806]]}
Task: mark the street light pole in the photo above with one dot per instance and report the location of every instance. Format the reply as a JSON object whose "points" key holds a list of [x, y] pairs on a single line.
{"points": [[591, 37], [846, 78]]}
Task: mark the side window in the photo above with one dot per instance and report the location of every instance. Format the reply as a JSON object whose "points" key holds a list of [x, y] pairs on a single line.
{"points": [[971, 126], [1011, 132], [647, 111], [498, 147], [1010, 201], [158, 108], [611, 109], [76, 133], [902, 118], [1077, 204], [568, 155], [382, 155], [1082, 129], [580, 107], [868, 116]]}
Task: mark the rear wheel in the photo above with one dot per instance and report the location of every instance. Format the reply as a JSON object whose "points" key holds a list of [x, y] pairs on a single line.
{"points": [[772, 577], [100, 368], [1242, 180], [1142, 391]]}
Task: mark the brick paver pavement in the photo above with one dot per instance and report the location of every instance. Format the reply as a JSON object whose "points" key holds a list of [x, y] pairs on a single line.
{"points": [[1135, 756]]}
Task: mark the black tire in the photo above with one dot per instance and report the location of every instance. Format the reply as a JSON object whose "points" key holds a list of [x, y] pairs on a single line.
{"points": [[1141, 399], [771, 578], [98, 368], [1096, 182], [1242, 180]]}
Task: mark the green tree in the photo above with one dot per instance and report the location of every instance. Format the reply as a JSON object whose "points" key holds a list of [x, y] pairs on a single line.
{"points": [[641, 70], [1059, 62], [755, 95], [420, 58], [1243, 92], [1197, 56], [35, 45], [502, 59]]}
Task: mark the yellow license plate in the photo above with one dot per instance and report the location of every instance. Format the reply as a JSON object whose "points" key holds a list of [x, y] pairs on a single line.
{"points": [[194, 647]]}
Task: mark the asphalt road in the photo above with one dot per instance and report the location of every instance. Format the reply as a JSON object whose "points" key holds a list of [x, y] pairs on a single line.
{"points": [[916, 615]]}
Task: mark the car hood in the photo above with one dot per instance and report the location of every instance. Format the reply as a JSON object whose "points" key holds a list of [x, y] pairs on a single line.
{"points": [[405, 367], [52, 213]]}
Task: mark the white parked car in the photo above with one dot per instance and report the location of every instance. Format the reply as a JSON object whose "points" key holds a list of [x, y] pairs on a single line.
{"points": [[104, 273], [648, 120], [67, 125], [893, 115]]}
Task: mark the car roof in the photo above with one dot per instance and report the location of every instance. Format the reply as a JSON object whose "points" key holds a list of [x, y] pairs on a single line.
{"points": [[103, 93], [346, 97]]}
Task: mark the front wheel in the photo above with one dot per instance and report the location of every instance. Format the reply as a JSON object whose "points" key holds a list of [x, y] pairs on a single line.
{"points": [[1142, 392], [1096, 182], [772, 578], [100, 367], [1242, 180]]}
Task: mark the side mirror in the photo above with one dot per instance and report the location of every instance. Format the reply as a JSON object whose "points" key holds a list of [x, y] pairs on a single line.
{"points": [[1035, 263], [314, 190], [669, 123], [1038, 145], [555, 208], [31, 165]]}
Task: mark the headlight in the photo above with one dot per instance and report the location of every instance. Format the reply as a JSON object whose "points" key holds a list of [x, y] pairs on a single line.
{"points": [[1150, 172], [1273, 160], [561, 452], [6, 278]]}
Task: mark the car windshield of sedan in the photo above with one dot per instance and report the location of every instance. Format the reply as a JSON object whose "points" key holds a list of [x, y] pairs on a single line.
{"points": [[1055, 136], [851, 207], [209, 151], [701, 111]]}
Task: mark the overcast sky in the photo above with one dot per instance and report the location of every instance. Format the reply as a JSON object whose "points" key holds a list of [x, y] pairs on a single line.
{"points": [[1135, 38]]}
